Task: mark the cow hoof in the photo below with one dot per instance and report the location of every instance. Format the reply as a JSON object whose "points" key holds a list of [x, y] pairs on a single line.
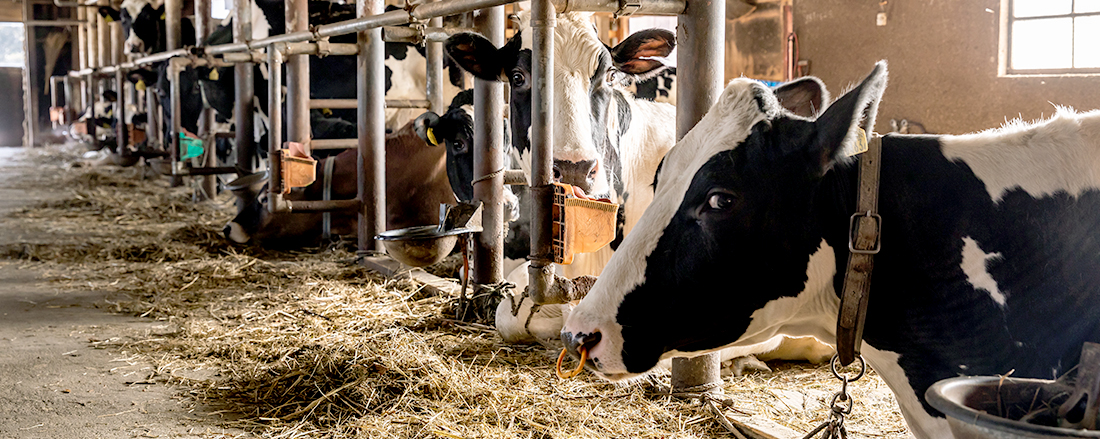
{"points": [[738, 366]]}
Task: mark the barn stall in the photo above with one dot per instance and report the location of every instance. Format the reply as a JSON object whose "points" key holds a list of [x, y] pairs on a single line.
{"points": [[315, 344]]}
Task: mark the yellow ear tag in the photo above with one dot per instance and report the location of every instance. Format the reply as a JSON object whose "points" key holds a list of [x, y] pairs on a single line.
{"points": [[140, 86], [431, 137], [327, 112], [163, 15], [108, 19], [214, 74]]}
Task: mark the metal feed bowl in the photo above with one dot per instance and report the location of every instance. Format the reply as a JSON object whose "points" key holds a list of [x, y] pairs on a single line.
{"points": [[162, 166], [970, 403], [248, 185], [421, 246]]}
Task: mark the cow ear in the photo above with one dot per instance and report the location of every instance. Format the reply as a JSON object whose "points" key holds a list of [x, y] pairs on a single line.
{"points": [[425, 128], [638, 53], [838, 125], [804, 96], [477, 55], [110, 14]]}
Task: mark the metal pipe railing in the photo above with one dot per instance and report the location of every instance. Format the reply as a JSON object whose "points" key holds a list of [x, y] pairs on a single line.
{"points": [[371, 180], [541, 271], [334, 104], [321, 144], [489, 156], [209, 159], [297, 75], [244, 91], [700, 39]]}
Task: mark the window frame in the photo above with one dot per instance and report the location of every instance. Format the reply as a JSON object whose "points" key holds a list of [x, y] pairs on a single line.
{"points": [[1005, 64]]}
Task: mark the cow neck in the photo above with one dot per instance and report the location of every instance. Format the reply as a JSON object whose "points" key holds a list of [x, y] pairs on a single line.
{"points": [[863, 243]]}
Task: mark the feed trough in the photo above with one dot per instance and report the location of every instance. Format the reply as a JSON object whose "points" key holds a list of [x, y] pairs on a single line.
{"points": [[421, 246]]}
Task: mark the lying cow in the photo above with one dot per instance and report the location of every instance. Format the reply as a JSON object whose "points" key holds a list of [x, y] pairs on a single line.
{"points": [[988, 262], [416, 184]]}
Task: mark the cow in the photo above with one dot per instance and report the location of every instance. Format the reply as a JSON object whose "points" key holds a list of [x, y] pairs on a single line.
{"points": [[608, 142], [659, 86], [143, 26], [987, 263], [416, 184]]}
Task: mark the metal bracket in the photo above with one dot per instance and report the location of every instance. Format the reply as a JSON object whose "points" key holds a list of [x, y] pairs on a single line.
{"points": [[627, 8], [323, 49]]}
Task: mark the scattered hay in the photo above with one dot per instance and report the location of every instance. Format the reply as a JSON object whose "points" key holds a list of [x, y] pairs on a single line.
{"points": [[312, 345]]}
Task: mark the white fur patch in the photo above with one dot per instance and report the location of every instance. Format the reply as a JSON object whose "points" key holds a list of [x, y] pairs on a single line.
{"points": [[237, 233], [974, 262], [1058, 154], [921, 424], [134, 7]]}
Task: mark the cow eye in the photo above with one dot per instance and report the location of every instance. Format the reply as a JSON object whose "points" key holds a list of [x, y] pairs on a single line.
{"points": [[518, 80], [720, 201]]}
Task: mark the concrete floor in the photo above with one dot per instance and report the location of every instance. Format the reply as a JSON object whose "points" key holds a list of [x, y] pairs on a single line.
{"points": [[62, 374]]}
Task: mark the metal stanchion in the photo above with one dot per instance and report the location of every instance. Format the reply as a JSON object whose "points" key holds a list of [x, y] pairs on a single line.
{"points": [[297, 77], [541, 270], [244, 89], [372, 139], [488, 159]]}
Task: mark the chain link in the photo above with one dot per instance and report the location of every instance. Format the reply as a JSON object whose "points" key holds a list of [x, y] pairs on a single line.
{"points": [[840, 406]]}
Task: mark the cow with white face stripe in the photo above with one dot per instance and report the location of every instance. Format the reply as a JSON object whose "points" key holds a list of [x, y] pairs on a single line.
{"points": [[606, 142], [988, 264]]}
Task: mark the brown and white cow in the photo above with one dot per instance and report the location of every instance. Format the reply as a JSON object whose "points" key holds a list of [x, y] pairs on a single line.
{"points": [[416, 184]]}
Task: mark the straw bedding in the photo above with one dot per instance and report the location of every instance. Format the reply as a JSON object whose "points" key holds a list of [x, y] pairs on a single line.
{"points": [[309, 344]]}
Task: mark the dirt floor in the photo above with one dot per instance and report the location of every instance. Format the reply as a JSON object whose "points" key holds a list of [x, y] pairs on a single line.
{"points": [[59, 375], [125, 314]]}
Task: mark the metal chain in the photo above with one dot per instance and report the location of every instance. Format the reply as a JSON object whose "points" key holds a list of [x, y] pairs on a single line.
{"points": [[840, 406]]}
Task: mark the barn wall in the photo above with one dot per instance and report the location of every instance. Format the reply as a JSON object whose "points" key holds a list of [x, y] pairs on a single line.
{"points": [[943, 62]]}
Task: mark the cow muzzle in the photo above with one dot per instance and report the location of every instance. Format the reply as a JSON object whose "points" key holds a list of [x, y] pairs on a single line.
{"points": [[575, 342], [581, 174], [234, 232]]}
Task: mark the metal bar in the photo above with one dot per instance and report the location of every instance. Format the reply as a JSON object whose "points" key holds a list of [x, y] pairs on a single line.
{"points": [[297, 76], [371, 160], [175, 65], [338, 49], [245, 91], [541, 270], [121, 133], [321, 206], [81, 39], [488, 158], [320, 144], [30, 82], [53, 101], [71, 102], [154, 135], [335, 104], [433, 52], [211, 171], [253, 56], [103, 36], [275, 129], [699, 37], [648, 7], [163, 56], [173, 13], [407, 103], [431, 34], [209, 159], [54, 23], [92, 41]]}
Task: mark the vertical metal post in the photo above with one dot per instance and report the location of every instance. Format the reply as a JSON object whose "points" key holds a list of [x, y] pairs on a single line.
{"points": [[30, 81], [275, 126], [372, 140], [173, 13], [488, 158], [541, 270], [154, 135], [71, 102], [209, 159], [53, 102], [174, 67], [244, 87], [91, 41], [297, 77], [103, 35], [699, 36], [434, 54], [81, 38], [115, 30]]}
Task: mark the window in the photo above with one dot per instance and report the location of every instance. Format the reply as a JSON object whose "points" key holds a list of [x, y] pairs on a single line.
{"points": [[219, 9], [11, 45], [1053, 36]]}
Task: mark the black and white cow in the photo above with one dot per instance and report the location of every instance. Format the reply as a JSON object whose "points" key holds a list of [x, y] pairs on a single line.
{"points": [[659, 86], [988, 260], [144, 28]]}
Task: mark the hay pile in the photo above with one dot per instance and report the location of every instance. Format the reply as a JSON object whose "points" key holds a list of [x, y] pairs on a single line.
{"points": [[312, 345]]}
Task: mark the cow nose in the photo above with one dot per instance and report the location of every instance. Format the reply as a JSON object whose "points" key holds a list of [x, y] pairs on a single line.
{"points": [[227, 230], [573, 342], [581, 174]]}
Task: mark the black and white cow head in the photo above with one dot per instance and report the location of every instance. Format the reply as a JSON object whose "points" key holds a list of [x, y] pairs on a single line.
{"points": [[722, 254], [590, 113], [144, 28]]}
